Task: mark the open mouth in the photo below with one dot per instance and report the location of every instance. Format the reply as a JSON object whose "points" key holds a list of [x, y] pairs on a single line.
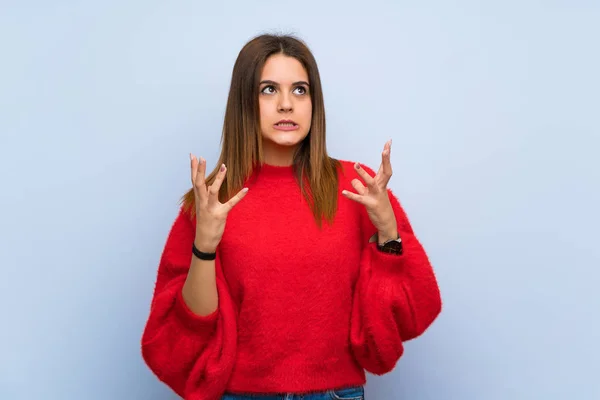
{"points": [[286, 123]]}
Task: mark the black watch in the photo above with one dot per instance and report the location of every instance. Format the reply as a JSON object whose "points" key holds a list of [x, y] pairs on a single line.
{"points": [[393, 246], [201, 255]]}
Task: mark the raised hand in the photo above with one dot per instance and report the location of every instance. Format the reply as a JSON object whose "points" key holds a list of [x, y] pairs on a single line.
{"points": [[373, 194], [211, 214]]}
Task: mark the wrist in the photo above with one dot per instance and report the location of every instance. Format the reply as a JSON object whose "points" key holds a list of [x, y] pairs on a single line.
{"points": [[204, 246], [389, 232], [384, 236]]}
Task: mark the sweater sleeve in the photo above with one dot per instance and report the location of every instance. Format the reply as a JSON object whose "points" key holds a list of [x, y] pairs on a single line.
{"points": [[396, 298], [191, 354]]}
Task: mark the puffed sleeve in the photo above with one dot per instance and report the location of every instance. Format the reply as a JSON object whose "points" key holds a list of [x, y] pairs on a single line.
{"points": [[192, 354], [396, 298]]}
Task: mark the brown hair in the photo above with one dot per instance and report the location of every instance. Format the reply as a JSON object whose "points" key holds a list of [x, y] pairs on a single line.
{"points": [[315, 171]]}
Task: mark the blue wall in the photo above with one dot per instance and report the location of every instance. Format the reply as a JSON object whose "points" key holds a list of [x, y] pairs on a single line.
{"points": [[494, 112]]}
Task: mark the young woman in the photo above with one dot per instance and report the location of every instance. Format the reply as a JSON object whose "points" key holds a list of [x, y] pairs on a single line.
{"points": [[287, 273]]}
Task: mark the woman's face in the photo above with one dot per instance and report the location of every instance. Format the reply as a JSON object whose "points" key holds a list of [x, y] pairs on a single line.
{"points": [[285, 106]]}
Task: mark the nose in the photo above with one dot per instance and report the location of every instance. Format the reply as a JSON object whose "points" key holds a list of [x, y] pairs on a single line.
{"points": [[285, 103]]}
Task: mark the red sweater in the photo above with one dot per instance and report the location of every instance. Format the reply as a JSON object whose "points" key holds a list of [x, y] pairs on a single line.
{"points": [[300, 309]]}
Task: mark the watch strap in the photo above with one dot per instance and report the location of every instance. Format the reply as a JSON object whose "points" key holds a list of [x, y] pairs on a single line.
{"points": [[202, 255]]}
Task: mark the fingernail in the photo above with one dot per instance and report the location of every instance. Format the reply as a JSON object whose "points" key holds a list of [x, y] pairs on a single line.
{"points": [[222, 167], [191, 158], [357, 166], [244, 190]]}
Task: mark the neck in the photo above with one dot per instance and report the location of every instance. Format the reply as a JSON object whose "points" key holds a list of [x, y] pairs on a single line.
{"points": [[279, 156]]}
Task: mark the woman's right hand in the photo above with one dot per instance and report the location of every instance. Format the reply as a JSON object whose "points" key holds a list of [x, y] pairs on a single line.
{"points": [[211, 214]]}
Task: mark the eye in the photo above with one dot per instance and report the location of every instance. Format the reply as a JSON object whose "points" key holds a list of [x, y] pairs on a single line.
{"points": [[302, 90], [268, 90]]}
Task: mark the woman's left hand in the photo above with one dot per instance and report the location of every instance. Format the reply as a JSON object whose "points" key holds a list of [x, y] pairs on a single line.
{"points": [[375, 196]]}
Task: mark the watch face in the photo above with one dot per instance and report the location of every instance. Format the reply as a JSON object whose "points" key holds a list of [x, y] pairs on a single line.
{"points": [[393, 246]]}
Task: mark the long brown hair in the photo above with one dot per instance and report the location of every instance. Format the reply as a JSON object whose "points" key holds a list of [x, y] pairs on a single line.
{"points": [[315, 171]]}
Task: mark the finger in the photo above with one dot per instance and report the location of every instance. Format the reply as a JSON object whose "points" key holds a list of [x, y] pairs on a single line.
{"points": [[236, 199], [368, 179], [213, 191], [386, 165], [354, 196], [194, 167], [200, 179], [358, 186], [383, 168]]}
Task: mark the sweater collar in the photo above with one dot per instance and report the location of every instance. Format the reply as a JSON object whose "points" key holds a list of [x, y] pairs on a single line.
{"points": [[274, 171]]}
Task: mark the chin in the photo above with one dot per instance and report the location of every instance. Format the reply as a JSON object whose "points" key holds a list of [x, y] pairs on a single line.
{"points": [[286, 139]]}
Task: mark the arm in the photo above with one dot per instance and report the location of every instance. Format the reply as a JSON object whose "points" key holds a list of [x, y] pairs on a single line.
{"points": [[186, 350], [397, 296], [199, 291]]}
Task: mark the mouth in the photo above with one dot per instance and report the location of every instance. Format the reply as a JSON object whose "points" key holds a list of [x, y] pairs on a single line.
{"points": [[286, 123]]}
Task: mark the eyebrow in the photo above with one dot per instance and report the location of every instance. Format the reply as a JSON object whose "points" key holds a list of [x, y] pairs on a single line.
{"points": [[277, 84]]}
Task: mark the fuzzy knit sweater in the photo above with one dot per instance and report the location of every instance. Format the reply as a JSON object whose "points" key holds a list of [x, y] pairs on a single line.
{"points": [[301, 309]]}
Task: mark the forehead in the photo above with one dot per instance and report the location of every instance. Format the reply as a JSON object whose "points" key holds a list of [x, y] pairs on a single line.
{"points": [[283, 69]]}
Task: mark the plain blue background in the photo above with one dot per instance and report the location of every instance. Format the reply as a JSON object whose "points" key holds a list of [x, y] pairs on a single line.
{"points": [[494, 112]]}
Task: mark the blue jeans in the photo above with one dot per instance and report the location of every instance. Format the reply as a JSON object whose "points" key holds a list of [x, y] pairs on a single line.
{"points": [[352, 393]]}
